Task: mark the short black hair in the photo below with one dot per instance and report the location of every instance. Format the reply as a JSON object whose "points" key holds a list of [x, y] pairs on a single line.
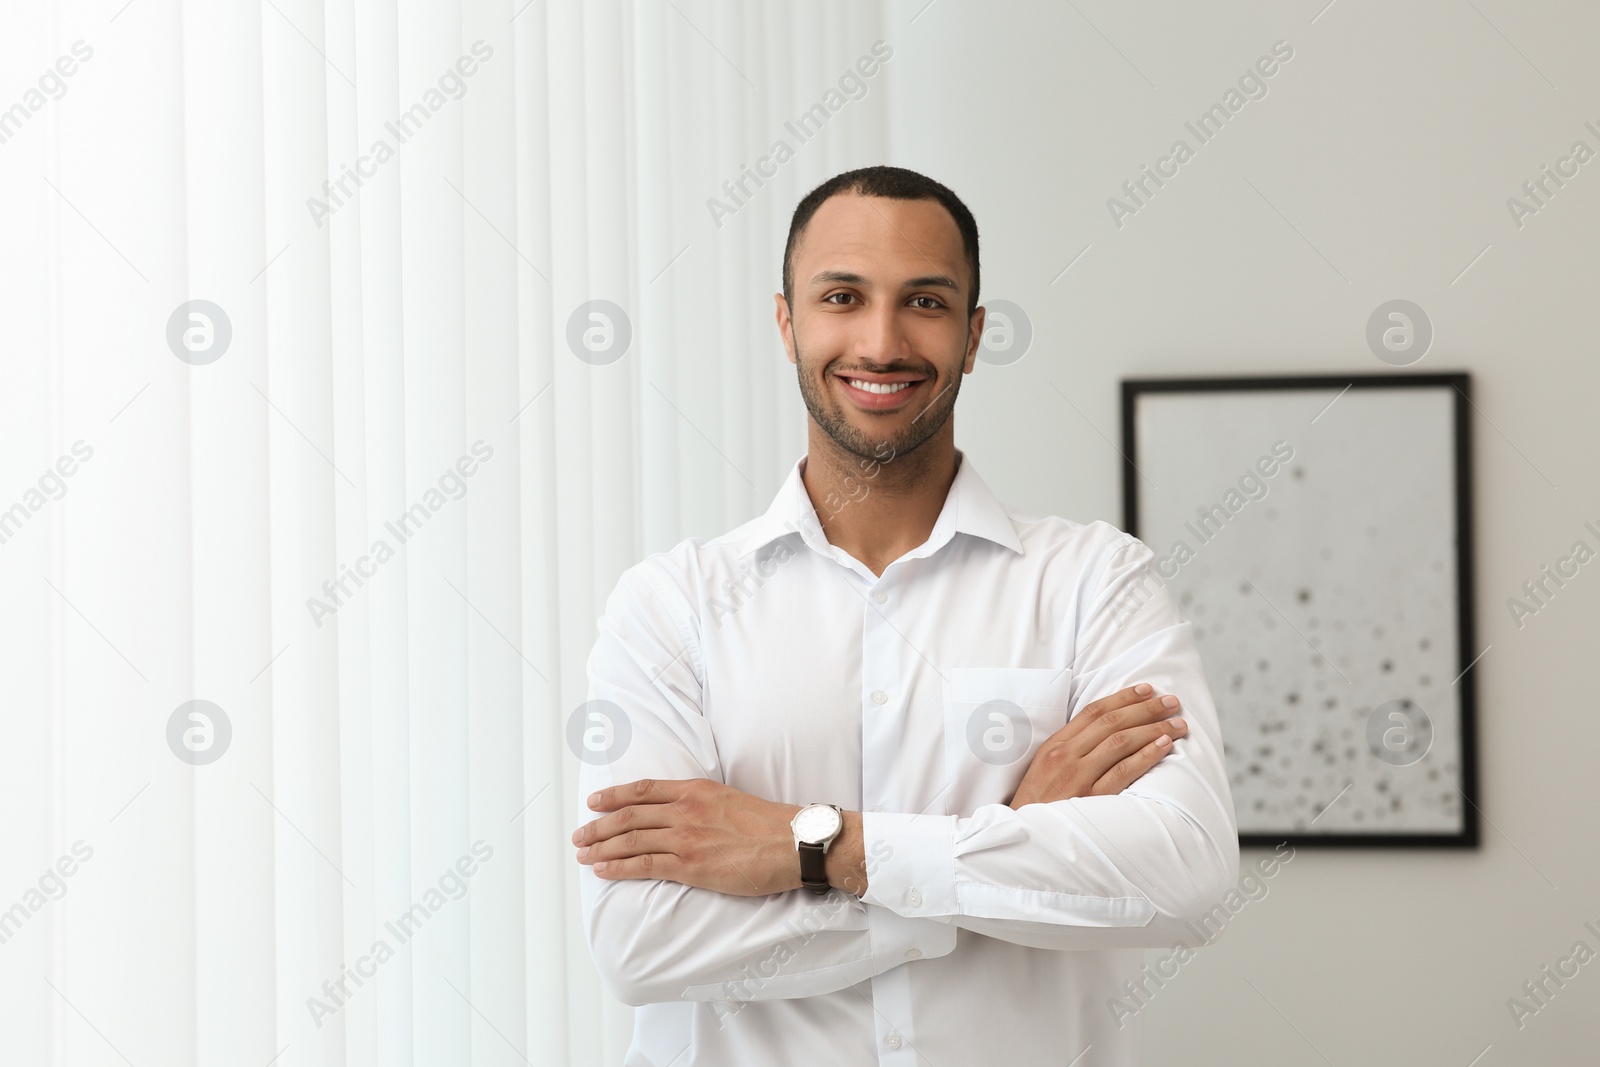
{"points": [[895, 183]]}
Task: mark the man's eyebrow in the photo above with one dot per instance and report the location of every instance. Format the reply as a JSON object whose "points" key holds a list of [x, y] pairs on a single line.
{"points": [[927, 281]]}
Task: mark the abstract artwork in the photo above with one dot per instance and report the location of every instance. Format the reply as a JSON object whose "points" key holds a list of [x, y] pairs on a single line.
{"points": [[1315, 531]]}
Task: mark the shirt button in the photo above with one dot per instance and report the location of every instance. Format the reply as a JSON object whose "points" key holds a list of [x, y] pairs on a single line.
{"points": [[914, 954], [914, 899], [893, 1040], [879, 696], [879, 595]]}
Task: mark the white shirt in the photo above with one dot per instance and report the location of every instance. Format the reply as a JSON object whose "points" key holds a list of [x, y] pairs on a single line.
{"points": [[776, 663]]}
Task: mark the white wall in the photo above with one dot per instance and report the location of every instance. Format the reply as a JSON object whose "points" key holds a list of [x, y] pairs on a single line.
{"points": [[1391, 142]]}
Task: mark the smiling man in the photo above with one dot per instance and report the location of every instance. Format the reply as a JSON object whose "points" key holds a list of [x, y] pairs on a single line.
{"points": [[879, 777]]}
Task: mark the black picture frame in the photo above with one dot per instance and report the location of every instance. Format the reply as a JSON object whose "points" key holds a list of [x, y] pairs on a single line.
{"points": [[1328, 388]]}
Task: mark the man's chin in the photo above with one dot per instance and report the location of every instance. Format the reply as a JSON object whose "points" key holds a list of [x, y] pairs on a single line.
{"points": [[871, 444]]}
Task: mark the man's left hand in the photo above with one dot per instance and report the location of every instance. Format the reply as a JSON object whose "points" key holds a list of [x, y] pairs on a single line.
{"points": [[696, 832]]}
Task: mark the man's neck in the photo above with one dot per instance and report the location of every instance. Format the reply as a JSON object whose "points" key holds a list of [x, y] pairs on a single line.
{"points": [[878, 510]]}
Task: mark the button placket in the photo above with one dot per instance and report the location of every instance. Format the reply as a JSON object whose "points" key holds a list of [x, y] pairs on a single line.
{"points": [[893, 1010], [881, 697]]}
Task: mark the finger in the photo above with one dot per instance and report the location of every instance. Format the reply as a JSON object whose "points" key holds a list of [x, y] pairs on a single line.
{"points": [[1127, 771], [644, 791], [1126, 717], [1123, 744], [650, 865], [1133, 694], [632, 843], [632, 817], [1120, 699], [1129, 740]]}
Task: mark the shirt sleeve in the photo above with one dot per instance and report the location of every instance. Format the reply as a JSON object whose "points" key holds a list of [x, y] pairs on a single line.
{"points": [[654, 940], [1123, 871]]}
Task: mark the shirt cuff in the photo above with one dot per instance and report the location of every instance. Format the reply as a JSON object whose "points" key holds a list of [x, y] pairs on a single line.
{"points": [[911, 864], [897, 939]]}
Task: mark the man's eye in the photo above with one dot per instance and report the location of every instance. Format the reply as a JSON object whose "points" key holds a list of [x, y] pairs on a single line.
{"points": [[830, 296], [931, 301]]}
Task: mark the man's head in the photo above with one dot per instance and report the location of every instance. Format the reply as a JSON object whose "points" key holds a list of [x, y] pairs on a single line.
{"points": [[880, 292]]}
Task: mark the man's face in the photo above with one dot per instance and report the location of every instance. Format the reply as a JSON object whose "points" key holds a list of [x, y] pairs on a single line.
{"points": [[879, 332]]}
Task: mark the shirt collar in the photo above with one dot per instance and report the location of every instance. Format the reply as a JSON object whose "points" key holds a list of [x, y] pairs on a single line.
{"points": [[970, 507]]}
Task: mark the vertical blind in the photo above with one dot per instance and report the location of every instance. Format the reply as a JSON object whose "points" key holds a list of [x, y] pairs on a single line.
{"points": [[309, 502]]}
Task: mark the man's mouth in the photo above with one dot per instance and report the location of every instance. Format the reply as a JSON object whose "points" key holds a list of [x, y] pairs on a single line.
{"points": [[880, 392]]}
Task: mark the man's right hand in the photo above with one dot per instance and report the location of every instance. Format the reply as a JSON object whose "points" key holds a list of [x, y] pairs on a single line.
{"points": [[1103, 749]]}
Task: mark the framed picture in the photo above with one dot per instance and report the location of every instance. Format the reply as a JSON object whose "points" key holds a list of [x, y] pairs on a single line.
{"points": [[1316, 532]]}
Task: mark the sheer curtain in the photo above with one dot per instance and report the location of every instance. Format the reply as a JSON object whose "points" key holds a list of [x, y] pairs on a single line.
{"points": [[308, 501]]}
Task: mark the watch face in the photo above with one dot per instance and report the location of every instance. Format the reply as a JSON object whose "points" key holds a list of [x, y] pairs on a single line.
{"points": [[816, 823]]}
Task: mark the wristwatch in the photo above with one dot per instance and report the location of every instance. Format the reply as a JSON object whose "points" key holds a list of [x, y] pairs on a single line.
{"points": [[815, 827]]}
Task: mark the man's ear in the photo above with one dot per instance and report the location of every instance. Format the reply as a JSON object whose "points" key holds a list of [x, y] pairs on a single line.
{"points": [[785, 325], [974, 338]]}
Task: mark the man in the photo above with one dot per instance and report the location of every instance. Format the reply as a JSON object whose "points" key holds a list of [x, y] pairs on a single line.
{"points": [[1011, 820]]}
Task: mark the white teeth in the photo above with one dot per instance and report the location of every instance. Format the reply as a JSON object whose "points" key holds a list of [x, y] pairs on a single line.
{"points": [[879, 387]]}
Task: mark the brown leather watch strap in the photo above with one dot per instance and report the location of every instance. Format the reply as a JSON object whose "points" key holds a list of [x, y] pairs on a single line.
{"points": [[813, 868]]}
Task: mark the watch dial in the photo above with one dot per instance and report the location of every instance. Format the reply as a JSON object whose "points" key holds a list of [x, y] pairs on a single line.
{"points": [[815, 824]]}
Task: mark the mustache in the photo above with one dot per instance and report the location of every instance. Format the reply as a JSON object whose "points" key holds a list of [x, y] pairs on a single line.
{"points": [[885, 368]]}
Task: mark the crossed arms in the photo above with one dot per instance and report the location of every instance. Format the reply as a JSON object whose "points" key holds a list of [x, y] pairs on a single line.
{"points": [[1112, 839]]}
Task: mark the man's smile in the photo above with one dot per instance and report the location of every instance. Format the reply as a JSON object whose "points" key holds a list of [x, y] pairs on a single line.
{"points": [[880, 392]]}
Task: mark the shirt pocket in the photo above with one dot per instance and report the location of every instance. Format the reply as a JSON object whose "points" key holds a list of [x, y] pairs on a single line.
{"points": [[995, 719]]}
